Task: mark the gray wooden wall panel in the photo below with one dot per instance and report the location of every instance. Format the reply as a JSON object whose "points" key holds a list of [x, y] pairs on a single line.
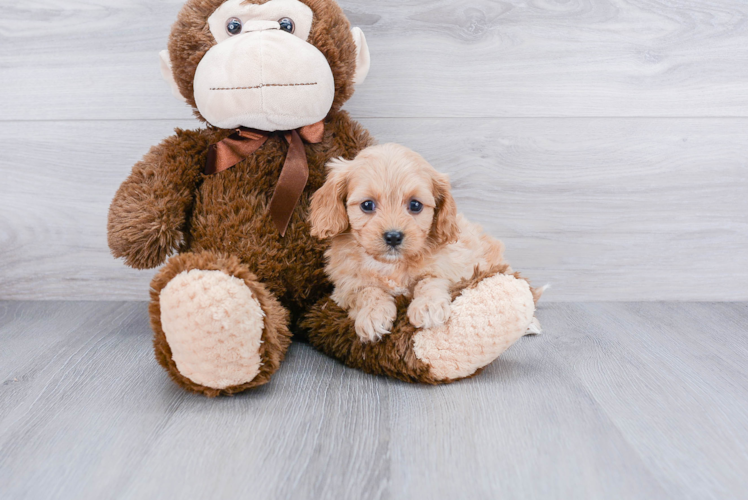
{"points": [[645, 201], [615, 209], [97, 58]]}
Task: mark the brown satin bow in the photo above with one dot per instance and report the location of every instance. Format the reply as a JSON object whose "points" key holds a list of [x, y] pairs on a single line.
{"points": [[294, 174]]}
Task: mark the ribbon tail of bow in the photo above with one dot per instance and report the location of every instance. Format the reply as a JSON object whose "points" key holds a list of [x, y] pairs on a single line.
{"points": [[291, 183]]}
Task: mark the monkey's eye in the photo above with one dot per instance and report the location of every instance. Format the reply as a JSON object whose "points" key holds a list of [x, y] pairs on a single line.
{"points": [[368, 207], [287, 24], [415, 206], [234, 26]]}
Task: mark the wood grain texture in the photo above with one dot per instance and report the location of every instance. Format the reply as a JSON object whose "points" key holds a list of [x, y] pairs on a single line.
{"points": [[97, 59], [603, 209], [615, 401]]}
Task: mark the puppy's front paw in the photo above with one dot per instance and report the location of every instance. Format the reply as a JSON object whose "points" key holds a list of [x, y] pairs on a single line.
{"points": [[429, 312], [372, 322]]}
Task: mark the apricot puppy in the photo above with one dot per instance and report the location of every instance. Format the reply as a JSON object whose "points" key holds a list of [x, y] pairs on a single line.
{"points": [[395, 231]]}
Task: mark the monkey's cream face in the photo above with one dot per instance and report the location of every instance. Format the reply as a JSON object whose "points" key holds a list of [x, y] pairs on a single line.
{"points": [[262, 73]]}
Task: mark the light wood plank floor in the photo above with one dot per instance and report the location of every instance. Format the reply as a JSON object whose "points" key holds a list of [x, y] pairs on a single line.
{"points": [[617, 400]]}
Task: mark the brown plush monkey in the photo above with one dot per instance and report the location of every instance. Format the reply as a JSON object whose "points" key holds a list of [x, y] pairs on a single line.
{"points": [[231, 200]]}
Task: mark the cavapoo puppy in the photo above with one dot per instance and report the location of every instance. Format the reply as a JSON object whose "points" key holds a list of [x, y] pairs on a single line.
{"points": [[395, 231]]}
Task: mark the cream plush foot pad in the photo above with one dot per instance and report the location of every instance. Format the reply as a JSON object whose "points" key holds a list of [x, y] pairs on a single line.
{"points": [[214, 326], [485, 321]]}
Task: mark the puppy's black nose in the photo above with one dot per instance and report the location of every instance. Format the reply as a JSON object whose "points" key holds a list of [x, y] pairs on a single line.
{"points": [[393, 238]]}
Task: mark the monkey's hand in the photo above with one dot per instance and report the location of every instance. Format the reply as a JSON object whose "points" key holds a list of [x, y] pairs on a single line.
{"points": [[148, 214]]}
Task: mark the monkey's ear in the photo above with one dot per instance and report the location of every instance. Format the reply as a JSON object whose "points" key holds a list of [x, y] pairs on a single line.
{"points": [[168, 75], [363, 60]]}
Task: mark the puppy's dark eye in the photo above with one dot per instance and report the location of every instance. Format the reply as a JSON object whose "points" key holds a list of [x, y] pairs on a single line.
{"points": [[415, 206], [287, 24], [368, 206], [234, 26]]}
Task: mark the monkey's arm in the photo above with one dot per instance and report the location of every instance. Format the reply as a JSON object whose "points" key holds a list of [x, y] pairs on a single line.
{"points": [[148, 215]]}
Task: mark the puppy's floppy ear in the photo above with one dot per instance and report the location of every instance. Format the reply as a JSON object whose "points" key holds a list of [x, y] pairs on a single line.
{"points": [[445, 229], [328, 215]]}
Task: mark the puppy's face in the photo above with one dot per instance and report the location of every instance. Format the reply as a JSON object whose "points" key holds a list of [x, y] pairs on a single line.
{"points": [[390, 199]]}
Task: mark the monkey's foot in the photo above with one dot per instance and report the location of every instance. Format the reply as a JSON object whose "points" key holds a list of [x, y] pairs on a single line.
{"points": [[485, 320], [214, 327], [218, 331]]}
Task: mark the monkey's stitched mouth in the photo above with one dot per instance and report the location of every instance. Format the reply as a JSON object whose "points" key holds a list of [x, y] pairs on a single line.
{"points": [[265, 85]]}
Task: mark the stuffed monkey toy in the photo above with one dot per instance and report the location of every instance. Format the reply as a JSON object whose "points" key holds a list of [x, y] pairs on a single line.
{"points": [[226, 206]]}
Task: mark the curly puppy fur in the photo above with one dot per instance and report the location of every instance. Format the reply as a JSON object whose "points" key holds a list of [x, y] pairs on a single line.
{"points": [[437, 246]]}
